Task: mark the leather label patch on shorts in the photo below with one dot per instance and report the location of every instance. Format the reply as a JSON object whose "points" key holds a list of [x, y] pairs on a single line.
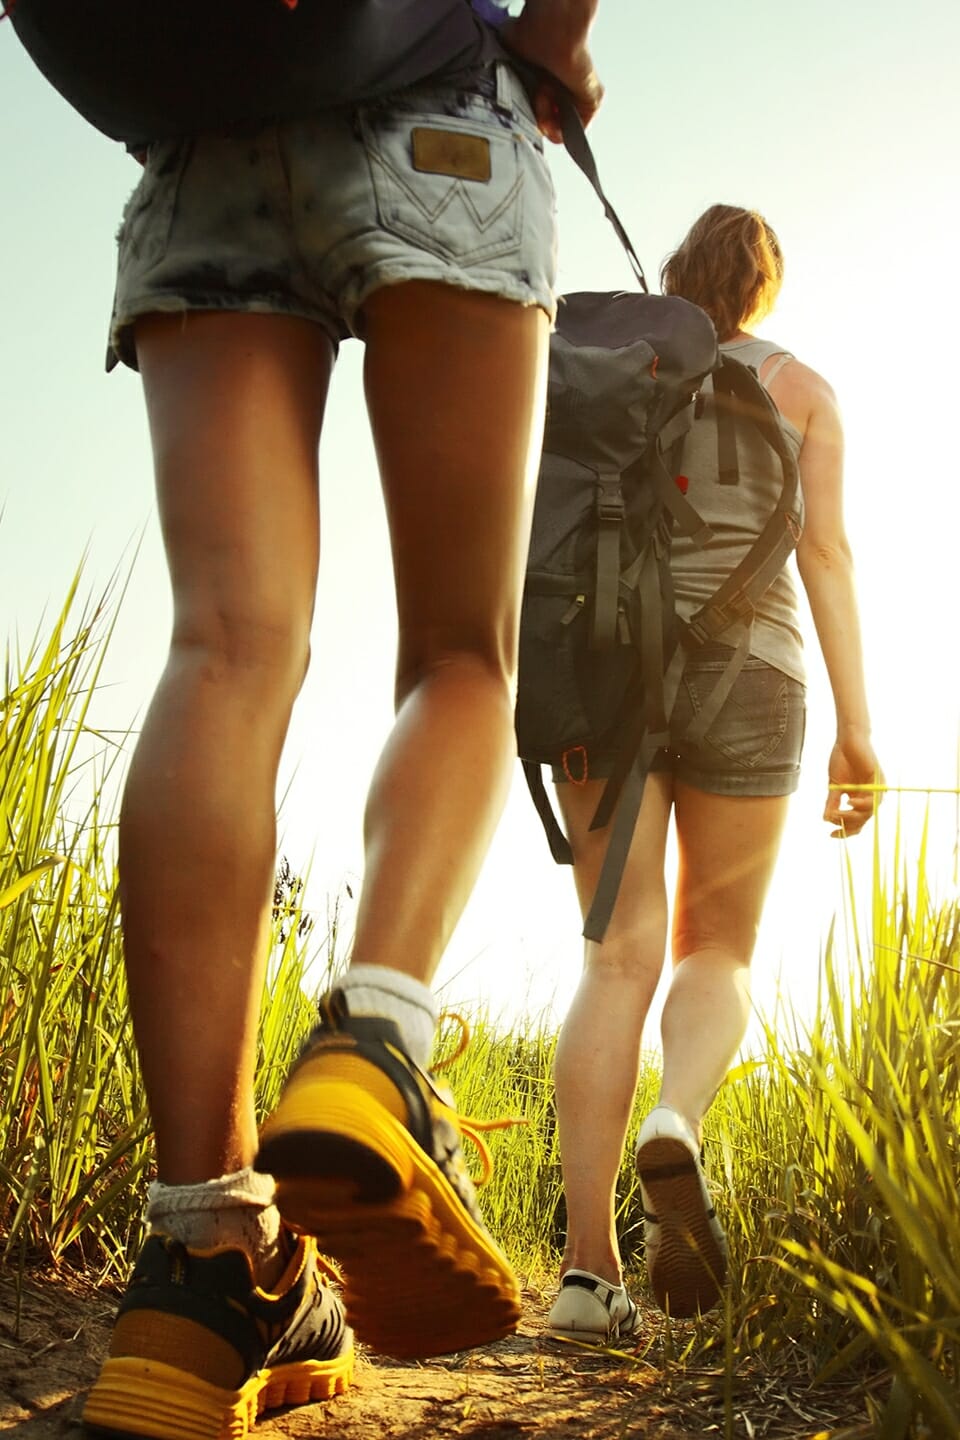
{"points": [[446, 152]]}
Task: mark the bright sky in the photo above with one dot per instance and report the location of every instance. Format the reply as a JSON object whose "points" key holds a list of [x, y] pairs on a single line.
{"points": [[841, 124]]}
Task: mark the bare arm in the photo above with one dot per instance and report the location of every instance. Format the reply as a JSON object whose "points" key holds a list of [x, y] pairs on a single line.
{"points": [[553, 35], [825, 563]]}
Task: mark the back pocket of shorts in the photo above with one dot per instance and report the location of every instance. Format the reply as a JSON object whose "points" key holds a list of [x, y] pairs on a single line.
{"points": [[144, 232], [752, 722], [461, 199]]}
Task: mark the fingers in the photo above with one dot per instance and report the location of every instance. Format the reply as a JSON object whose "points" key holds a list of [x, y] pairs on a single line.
{"points": [[547, 112], [546, 107], [590, 98], [849, 811]]}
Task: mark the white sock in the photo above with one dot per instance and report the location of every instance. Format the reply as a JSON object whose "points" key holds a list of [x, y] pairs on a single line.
{"points": [[236, 1211], [378, 990]]}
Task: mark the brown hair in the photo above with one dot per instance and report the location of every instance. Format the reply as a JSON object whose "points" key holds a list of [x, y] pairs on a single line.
{"points": [[730, 264]]}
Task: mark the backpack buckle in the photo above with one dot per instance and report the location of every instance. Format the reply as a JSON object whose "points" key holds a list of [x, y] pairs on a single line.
{"points": [[696, 633], [713, 620], [610, 506]]}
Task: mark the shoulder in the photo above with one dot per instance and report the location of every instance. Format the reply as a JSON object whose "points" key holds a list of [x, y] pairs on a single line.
{"points": [[802, 394]]}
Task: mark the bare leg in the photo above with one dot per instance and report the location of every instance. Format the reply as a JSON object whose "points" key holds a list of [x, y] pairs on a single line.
{"points": [[598, 1054], [455, 393], [235, 404], [728, 848], [455, 388]]}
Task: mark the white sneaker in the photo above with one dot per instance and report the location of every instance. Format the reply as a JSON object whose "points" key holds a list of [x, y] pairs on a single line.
{"points": [[685, 1246], [592, 1310]]}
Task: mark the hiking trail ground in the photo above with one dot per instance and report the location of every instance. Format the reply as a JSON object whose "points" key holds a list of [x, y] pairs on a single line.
{"points": [[53, 1338]]}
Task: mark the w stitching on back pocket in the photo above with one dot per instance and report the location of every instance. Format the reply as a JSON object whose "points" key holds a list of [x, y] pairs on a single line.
{"points": [[458, 218]]}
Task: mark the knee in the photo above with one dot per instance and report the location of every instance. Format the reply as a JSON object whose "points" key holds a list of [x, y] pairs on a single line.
{"points": [[245, 651], [467, 658], [728, 944], [630, 955]]}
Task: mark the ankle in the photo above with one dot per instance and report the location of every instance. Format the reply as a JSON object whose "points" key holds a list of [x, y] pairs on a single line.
{"points": [[601, 1263], [691, 1113], [229, 1212]]}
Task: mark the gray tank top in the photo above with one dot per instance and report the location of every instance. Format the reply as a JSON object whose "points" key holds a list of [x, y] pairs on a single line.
{"points": [[736, 515]]}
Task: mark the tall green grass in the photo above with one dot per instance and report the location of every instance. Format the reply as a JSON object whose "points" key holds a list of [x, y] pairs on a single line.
{"points": [[73, 1126], [834, 1152], [835, 1156], [75, 1146]]}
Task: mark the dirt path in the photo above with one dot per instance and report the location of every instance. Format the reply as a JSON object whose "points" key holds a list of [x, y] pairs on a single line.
{"points": [[50, 1350]]}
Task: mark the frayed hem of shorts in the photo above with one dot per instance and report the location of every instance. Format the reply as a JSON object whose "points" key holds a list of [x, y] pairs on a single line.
{"points": [[121, 347], [747, 787], [518, 294]]}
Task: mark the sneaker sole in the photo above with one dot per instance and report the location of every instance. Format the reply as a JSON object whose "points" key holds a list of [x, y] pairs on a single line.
{"points": [[421, 1277], [614, 1335], [600, 1338], [135, 1398], [691, 1267]]}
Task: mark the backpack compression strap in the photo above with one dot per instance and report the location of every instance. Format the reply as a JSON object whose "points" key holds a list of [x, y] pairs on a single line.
{"points": [[649, 728], [606, 591], [558, 842]]}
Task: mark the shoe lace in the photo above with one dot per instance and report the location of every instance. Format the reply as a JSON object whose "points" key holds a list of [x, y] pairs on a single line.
{"points": [[328, 1268], [471, 1128]]}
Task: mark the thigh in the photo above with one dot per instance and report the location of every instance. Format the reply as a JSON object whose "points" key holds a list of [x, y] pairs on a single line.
{"points": [[641, 902], [727, 848], [235, 404], [456, 388]]}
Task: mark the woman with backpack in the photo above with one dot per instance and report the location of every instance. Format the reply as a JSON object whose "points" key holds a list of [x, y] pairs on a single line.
{"points": [[728, 797], [312, 172]]}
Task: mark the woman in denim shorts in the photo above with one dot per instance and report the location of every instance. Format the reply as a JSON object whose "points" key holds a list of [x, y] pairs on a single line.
{"points": [[424, 224], [728, 798]]}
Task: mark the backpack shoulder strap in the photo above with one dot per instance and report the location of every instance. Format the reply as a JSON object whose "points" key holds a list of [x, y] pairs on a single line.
{"points": [[744, 396], [577, 147]]}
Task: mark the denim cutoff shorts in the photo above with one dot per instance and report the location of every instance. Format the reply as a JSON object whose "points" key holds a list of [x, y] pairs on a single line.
{"points": [[753, 746], [308, 218]]}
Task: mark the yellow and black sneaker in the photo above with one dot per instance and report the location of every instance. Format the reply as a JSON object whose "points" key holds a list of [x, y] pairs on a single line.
{"points": [[198, 1351], [365, 1150]]}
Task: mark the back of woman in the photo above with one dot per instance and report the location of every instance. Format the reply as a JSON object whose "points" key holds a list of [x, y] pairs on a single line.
{"points": [[728, 261], [726, 793], [736, 515]]}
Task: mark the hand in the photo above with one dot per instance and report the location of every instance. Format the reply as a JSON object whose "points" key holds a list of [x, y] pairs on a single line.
{"points": [[852, 762], [537, 37]]}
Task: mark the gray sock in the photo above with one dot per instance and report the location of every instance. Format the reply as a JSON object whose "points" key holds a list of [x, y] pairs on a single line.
{"points": [[378, 990], [234, 1211]]}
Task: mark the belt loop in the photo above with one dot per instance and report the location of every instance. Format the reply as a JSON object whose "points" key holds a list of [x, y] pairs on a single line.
{"points": [[504, 86]]}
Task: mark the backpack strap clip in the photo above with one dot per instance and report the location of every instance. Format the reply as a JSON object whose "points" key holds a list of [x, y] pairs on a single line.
{"points": [[713, 620], [606, 595], [610, 506]]}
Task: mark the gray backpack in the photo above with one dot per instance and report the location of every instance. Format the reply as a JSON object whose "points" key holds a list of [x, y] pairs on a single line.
{"points": [[602, 650]]}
